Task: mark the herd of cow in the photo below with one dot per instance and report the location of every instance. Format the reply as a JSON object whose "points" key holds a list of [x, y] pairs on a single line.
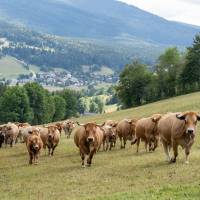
{"points": [[172, 129]]}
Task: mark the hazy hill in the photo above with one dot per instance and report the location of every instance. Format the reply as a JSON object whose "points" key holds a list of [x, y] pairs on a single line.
{"points": [[96, 19], [69, 33]]}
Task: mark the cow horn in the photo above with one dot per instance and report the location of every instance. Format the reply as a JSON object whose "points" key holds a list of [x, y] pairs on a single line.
{"points": [[101, 124], [180, 116], [80, 124]]}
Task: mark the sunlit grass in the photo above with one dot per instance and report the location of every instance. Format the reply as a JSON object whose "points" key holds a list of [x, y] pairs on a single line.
{"points": [[119, 174]]}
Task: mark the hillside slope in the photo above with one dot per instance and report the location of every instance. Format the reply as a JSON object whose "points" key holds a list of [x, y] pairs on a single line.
{"points": [[48, 51], [96, 19], [115, 175]]}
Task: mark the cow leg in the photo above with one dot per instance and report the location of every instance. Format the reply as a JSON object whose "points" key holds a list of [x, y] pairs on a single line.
{"points": [[124, 143], [82, 158], [166, 149], [30, 158], [114, 143], [175, 149], [121, 142], [36, 158], [155, 144], [103, 145], [138, 144], [187, 152], [146, 144], [111, 145], [53, 150], [89, 160], [49, 150], [11, 142]]}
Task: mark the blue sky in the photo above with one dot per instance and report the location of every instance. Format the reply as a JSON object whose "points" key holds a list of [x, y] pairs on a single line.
{"points": [[187, 11]]}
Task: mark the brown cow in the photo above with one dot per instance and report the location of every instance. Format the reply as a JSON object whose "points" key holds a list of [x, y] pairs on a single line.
{"points": [[53, 139], [59, 126], [24, 133], [109, 137], [34, 145], [68, 126], [44, 135], [111, 123], [178, 129], [126, 130], [146, 130], [88, 138], [2, 137], [11, 133]]}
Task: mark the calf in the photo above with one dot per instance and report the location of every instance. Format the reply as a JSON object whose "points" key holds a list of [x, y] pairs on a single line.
{"points": [[34, 145], [68, 126], [126, 130], [53, 138], [109, 137], [11, 133], [146, 130]]}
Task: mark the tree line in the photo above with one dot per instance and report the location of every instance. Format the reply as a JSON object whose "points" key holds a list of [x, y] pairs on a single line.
{"points": [[36, 105], [174, 74]]}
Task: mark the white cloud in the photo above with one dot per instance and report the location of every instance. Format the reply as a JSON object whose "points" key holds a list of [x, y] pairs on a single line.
{"points": [[187, 11]]}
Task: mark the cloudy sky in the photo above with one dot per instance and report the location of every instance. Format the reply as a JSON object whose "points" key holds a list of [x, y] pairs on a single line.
{"points": [[187, 11]]}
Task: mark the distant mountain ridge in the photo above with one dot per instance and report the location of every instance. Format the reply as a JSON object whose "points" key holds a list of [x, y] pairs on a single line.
{"points": [[102, 19]]}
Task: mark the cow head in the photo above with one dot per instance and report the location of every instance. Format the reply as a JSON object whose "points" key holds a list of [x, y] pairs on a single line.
{"points": [[90, 131], [59, 126], [190, 119], [35, 140], [69, 125], [51, 132]]}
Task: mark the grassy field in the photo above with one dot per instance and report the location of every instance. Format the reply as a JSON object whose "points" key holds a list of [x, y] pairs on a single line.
{"points": [[12, 68], [115, 175]]}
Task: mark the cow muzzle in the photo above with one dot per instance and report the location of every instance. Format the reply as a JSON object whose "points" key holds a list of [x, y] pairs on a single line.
{"points": [[190, 131], [90, 139], [36, 147]]}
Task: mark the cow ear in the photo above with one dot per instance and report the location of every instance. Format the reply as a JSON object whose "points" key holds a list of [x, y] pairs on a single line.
{"points": [[180, 116], [128, 121], [198, 117], [156, 118], [115, 124]]}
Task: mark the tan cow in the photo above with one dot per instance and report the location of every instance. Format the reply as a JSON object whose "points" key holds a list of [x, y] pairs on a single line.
{"points": [[34, 145], [112, 123], [44, 135], [21, 126], [53, 138], [146, 130], [109, 137], [178, 129], [126, 130], [11, 133], [59, 126], [88, 138], [68, 126], [24, 132]]}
